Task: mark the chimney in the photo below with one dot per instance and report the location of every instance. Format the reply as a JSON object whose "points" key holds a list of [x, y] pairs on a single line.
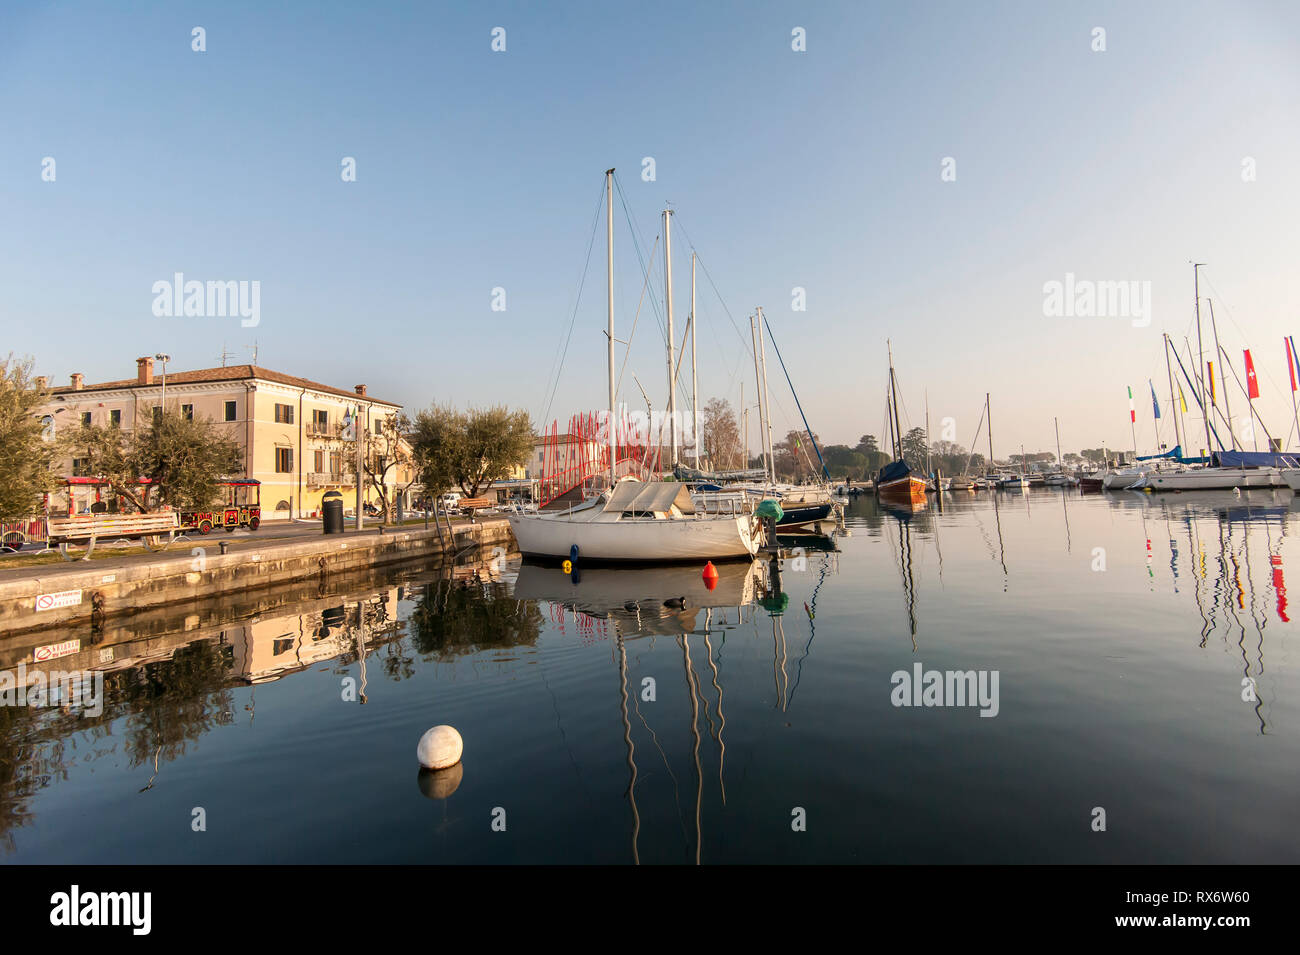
{"points": [[42, 382], [144, 371], [78, 381], [361, 390]]}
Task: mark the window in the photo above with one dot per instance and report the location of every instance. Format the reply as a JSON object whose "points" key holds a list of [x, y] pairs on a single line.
{"points": [[284, 460], [187, 412], [284, 414], [230, 411], [115, 418], [320, 462], [85, 419], [320, 420], [81, 467], [336, 462]]}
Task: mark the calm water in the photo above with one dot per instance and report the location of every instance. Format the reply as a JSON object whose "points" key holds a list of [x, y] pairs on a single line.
{"points": [[603, 726]]}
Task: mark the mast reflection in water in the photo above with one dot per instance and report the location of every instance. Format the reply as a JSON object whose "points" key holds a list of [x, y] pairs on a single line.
{"points": [[1145, 647]]}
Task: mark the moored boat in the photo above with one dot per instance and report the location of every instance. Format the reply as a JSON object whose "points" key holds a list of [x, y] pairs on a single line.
{"points": [[633, 520], [896, 480]]}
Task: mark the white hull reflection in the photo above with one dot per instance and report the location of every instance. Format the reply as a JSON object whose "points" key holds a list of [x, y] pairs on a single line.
{"points": [[647, 600]]}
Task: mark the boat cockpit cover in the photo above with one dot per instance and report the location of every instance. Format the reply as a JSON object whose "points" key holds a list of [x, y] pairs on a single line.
{"points": [[646, 496], [1255, 459], [894, 471]]}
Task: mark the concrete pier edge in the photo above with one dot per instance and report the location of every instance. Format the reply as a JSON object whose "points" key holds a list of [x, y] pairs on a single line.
{"points": [[182, 575]]}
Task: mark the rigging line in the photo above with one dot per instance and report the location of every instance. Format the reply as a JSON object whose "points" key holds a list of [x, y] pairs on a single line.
{"points": [[558, 366], [1242, 335], [1247, 394], [636, 247], [820, 460], [699, 261], [627, 352]]}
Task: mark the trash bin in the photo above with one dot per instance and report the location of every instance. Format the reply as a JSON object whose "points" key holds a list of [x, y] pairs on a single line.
{"points": [[332, 512]]}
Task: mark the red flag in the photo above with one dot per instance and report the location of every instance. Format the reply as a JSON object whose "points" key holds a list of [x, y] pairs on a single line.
{"points": [[1290, 363], [1252, 384]]}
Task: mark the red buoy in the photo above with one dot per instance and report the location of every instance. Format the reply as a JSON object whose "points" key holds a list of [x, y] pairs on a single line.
{"points": [[710, 575]]}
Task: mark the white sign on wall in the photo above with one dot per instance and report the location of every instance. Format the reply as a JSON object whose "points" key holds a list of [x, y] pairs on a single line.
{"points": [[64, 598]]}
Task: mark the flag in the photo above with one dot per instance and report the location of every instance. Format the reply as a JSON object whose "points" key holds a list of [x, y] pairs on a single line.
{"points": [[1181, 400], [1210, 364], [1132, 412], [1295, 361], [1290, 361], [1155, 405], [1252, 383]]}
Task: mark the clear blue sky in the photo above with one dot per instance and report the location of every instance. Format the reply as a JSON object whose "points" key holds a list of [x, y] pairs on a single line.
{"points": [[818, 169]]}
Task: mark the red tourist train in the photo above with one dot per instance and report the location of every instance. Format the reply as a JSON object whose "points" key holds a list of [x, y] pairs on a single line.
{"points": [[241, 506]]}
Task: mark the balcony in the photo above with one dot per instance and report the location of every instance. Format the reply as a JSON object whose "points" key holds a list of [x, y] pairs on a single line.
{"points": [[331, 429], [330, 479]]}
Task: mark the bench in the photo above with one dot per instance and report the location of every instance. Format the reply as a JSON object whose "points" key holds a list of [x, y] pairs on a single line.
{"points": [[89, 529], [471, 504]]}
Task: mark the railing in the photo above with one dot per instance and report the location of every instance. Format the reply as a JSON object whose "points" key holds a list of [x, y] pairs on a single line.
{"points": [[15, 534], [323, 478]]}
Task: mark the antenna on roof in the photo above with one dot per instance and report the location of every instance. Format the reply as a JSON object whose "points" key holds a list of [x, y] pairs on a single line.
{"points": [[225, 354], [253, 349]]}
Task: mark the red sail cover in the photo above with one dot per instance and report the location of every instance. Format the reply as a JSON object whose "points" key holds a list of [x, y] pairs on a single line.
{"points": [[1290, 362], [1252, 383]]}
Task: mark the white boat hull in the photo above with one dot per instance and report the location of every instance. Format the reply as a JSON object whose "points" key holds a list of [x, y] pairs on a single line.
{"points": [[688, 538], [1215, 479]]}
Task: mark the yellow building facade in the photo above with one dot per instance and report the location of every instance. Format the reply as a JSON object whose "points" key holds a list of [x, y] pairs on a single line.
{"points": [[290, 429]]}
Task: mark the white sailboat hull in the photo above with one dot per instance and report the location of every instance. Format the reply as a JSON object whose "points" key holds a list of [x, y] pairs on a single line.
{"points": [[1215, 479], [688, 538]]}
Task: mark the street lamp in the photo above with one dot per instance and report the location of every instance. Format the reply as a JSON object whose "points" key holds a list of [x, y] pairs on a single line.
{"points": [[164, 359]]}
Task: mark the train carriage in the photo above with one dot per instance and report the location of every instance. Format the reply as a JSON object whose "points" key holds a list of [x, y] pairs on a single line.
{"points": [[240, 505]]}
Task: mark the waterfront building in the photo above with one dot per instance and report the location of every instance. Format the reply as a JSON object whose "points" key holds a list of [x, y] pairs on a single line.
{"points": [[291, 429]]}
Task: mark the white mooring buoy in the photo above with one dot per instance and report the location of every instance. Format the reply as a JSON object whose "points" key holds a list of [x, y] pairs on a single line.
{"points": [[440, 748]]}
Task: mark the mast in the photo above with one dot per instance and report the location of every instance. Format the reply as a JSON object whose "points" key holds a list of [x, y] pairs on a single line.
{"points": [[989, 409], [767, 407], [695, 380], [1290, 357], [744, 417], [758, 379], [929, 461], [1200, 376], [893, 390], [1060, 461], [1223, 371], [609, 268], [1173, 407], [668, 292]]}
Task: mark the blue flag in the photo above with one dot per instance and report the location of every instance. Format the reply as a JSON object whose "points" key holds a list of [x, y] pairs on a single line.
{"points": [[1155, 405]]}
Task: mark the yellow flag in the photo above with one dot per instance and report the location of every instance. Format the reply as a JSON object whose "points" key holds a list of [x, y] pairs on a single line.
{"points": [[1181, 399]]}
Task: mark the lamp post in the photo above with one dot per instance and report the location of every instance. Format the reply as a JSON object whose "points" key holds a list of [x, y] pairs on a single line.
{"points": [[164, 359]]}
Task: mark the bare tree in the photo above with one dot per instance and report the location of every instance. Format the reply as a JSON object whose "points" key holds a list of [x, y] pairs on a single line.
{"points": [[385, 454], [720, 434]]}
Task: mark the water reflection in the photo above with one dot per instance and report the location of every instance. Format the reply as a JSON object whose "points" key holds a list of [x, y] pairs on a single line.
{"points": [[733, 679]]}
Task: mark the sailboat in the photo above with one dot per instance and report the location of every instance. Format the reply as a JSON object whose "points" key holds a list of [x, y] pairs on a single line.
{"points": [[896, 480], [1059, 478], [1226, 468], [1016, 482], [801, 504], [633, 520]]}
